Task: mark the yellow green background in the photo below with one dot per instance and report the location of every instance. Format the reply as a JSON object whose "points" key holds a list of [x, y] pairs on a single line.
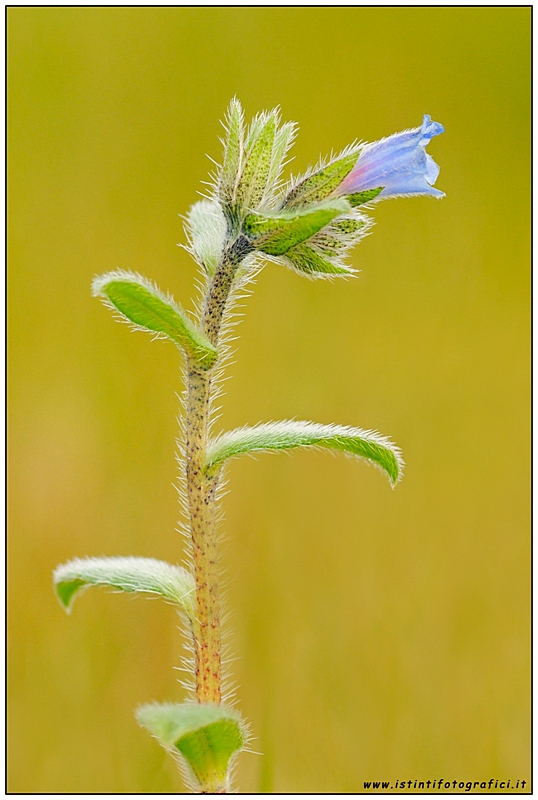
{"points": [[378, 634]]}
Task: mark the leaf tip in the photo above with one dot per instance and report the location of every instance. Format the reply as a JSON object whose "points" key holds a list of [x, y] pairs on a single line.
{"points": [[206, 735], [66, 588], [396, 472]]}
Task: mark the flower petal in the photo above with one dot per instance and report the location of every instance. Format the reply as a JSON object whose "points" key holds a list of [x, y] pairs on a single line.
{"points": [[399, 163]]}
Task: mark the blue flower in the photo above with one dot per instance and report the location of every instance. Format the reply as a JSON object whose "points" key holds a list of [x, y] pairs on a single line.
{"points": [[399, 163]]}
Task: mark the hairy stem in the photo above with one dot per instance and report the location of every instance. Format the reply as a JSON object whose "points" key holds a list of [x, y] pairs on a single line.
{"points": [[201, 505], [202, 489]]}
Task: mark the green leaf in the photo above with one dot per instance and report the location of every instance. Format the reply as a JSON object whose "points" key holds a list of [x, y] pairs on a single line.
{"points": [[275, 234], [147, 308], [253, 181], [233, 152], [129, 574], [310, 261], [358, 198], [254, 129], [321, 183], [291, 434], [283, 140], [349, 226], [207, 736], [331, 246]]}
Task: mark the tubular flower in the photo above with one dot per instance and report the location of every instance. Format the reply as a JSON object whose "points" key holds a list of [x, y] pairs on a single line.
{"points": [[398, 163]]}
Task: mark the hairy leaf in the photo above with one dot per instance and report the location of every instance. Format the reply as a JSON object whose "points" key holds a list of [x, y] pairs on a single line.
{"points": [[283, 140], [275, 234], [206, 229], [129, 574], [206, 734], [233, 152], [331, 246], [147, 308], [321, 183], [290, 434], [253, 181], [349, 226], [311, 261], [256, 124], [358, 198]]}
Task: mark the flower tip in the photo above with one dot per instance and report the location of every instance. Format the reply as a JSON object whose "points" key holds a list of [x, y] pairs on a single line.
{"points": [[430, 129]]}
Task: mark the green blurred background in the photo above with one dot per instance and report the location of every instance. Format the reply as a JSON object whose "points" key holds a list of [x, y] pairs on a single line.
{"points": [[378, 634]]}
